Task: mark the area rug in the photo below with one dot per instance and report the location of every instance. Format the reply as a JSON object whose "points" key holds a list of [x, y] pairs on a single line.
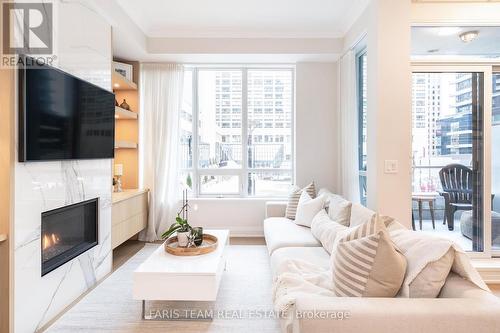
{"points": [[243, 303]]}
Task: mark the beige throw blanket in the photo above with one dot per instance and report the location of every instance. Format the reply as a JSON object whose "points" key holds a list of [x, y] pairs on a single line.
{"points": [[295, 277]]}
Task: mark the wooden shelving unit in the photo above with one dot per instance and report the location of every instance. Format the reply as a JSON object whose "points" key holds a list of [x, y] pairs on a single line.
{"points": [[123, 144], [127, 125], [130, 208], [122, 83], [123, 114]]}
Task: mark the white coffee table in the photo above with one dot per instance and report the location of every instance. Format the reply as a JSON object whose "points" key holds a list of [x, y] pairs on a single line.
{"points": [[164, 276]]}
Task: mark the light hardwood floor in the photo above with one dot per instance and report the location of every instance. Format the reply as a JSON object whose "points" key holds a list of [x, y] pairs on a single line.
{"points": [[125, 251], [495, 288]]}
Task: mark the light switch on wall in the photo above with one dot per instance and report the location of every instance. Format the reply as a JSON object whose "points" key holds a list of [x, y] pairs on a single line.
{"points": [[391, 166]]}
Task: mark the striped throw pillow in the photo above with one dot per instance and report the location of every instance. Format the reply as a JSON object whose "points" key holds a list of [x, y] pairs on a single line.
{"points": [[367, 264], [293, 199]]}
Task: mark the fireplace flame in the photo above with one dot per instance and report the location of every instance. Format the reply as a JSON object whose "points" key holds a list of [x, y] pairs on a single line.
{"points": [[49, 240]]}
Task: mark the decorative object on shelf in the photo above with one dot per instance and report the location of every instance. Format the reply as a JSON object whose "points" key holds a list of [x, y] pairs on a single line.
{"points": [[197, 233], [118, 175], [124, 105], [208, 245], [124, 70], [181, 225]]}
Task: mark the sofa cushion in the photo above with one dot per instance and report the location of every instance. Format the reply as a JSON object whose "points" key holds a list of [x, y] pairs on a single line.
{"points": [[282, 232], [308, 208], [293, 199], [313, 255], [360, 214], [432, 278], [338, 208], [325, 230], [366, 263], [430, 260]]}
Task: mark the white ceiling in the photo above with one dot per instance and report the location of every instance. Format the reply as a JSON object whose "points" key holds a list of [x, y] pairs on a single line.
{"points": [[445, 42], [244, 18]]}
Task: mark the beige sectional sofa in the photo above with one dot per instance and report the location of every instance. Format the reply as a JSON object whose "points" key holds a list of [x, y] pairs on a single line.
{"points": [[460, 307]]}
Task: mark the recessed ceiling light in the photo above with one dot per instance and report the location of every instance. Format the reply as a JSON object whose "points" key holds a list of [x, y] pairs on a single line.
{"points": [[116, 85], [448, 31], [468, 36]]}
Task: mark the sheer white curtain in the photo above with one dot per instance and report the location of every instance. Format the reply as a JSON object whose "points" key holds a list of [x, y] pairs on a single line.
{"points": [[349, 168], [161, 96]]}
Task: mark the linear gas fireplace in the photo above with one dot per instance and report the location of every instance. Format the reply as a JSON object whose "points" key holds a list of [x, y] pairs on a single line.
{"points": [[68, 232]]}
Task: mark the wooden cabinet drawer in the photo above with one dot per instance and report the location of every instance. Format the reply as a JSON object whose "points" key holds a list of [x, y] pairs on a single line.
{"points": [[129, 216]]}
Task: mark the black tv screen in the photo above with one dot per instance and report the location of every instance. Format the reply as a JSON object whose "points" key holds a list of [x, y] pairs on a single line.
{"points": [[63, 117]]}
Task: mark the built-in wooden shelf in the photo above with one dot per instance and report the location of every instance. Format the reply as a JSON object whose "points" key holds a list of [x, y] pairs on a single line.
{"points": [[121, 113], [122, 83], [3, 237], [122, 144], [126, 88]]}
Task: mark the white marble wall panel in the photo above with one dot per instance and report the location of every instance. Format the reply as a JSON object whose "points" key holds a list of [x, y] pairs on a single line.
{"points": [[83, 48]]}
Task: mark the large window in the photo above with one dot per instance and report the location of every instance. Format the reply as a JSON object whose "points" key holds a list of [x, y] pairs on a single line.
{"points": [[237, 131]]}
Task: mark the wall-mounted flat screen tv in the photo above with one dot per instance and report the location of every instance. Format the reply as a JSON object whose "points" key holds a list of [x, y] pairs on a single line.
{"points": [[62, 117]]}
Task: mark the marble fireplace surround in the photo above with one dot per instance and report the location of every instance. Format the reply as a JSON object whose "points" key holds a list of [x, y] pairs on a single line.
{"points": [[83, 48], [45, 186]]}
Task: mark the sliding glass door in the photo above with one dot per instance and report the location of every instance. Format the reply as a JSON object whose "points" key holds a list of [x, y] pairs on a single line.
{"points": [[448, 154]]}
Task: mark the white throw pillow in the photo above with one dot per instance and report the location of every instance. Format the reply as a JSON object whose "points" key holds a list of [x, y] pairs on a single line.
{"points": [[308, 208], [293, 199], [360, 214], [339, 209], [325, 230]]}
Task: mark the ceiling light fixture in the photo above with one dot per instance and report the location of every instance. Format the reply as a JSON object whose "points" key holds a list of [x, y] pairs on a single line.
{"points": [[432, 50], [468, 36], [116, 85]]}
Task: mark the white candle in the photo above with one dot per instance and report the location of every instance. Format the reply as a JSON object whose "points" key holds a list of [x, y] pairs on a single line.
{"points": [[118, 169]]}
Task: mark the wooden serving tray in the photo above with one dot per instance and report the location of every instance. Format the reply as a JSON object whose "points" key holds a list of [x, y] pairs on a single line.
{"points": [[209, 244]]}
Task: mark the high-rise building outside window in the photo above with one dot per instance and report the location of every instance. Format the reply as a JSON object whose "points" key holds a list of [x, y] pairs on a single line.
{"points": [[242, 144]]}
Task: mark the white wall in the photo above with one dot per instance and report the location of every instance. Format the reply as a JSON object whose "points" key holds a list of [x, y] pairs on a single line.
{"points": [[83, 48], [316, 122], [389, 108], [316, 153], [386, 25]]}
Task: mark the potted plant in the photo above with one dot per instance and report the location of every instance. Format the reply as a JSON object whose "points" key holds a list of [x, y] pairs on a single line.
{"points": [[181, 225], [183, 229]]}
